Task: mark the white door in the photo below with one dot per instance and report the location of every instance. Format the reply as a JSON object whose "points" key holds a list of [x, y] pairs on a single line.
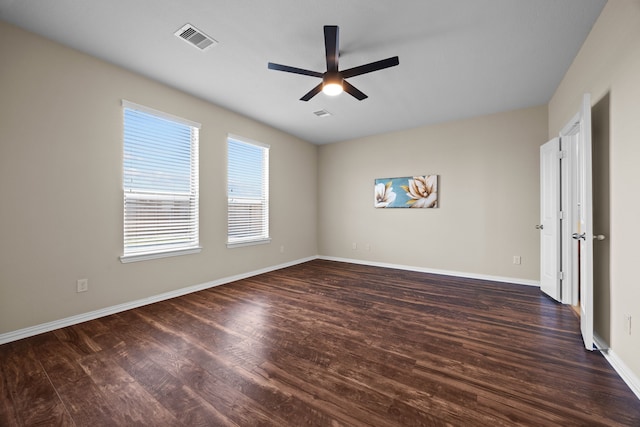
{"points": [[566, 242], [550, 219], [585, 232], [577, 203]]}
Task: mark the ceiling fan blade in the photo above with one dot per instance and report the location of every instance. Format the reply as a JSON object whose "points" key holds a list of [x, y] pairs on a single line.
{"points": [[368, 68], [313, 92], [288, 69], [331, 47], [351, 90]]}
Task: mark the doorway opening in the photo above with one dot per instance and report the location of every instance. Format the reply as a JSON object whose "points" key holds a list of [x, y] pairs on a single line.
{"points": [[600, 124]]}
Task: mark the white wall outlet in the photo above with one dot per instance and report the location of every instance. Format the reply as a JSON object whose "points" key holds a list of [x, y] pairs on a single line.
{"points": [[282, 249], [627, 323], [368, 247], [82, 285], [517, 259], [354, 246]]}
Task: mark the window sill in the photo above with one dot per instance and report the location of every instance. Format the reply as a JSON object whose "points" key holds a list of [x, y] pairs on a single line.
{"points": [[240, 244], [155, 255]]}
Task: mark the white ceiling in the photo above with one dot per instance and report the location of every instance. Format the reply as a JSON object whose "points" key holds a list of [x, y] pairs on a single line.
{"points": [[458, 58]]}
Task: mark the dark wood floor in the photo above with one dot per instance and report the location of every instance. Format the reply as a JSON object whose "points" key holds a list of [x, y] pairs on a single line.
{"points": [[321, 344]]}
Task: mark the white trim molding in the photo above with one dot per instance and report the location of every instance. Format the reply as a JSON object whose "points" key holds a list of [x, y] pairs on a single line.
{"points": [[74, 320], [513, 280], [84, 317], [623, 370], [618, 365]]}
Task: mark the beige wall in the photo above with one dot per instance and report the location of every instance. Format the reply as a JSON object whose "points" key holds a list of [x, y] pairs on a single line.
{"points": [[489, 196], [609, 65], [61, 186]]}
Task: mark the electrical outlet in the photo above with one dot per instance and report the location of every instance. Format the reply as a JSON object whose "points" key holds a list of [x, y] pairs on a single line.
{"points": [[282, 249], [517, 259], [627, 323], [82, 285], [354, 246], [368, 247]]}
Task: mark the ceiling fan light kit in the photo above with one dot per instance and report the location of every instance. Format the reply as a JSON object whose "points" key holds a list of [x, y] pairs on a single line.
{"points": [[334, 81], [332, 84]]}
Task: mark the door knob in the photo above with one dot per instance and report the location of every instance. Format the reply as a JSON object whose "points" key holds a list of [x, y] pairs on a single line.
{"points": [[539, 227], [579, 236], [599, 237]]}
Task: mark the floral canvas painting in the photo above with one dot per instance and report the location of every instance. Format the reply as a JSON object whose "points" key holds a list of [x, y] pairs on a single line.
{"points": [[406, 192]]}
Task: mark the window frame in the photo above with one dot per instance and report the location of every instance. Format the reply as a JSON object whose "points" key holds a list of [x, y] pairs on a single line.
{"points": [[162, 250], [264, 236]]}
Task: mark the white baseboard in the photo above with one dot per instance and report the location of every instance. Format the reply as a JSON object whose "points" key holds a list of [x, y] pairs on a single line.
{"points": [[623, 370], [436, 271], [74, 320], [618, 365]]}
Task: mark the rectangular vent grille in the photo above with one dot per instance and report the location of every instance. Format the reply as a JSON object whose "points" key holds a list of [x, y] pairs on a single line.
{"points": [[195, 37], [322, 113]]}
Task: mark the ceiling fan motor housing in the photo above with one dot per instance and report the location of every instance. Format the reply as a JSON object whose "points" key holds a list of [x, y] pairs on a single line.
{"points": [[332, 78]]}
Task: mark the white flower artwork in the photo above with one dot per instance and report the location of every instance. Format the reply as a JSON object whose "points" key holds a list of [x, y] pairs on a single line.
{"points": [[417, 192]]}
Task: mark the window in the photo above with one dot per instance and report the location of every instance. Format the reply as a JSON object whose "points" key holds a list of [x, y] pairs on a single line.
{"points": [[160, 183], [247, 192]]}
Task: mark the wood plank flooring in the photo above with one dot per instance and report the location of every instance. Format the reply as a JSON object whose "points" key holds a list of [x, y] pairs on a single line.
{"points": [[321, 344]]}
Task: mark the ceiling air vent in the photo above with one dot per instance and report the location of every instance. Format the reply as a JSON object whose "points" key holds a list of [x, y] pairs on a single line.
{"points": [[322, 113], [195, 37]]}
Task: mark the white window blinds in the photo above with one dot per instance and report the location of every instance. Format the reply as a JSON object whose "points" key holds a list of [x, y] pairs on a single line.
{"points": [[160, 184], [247, 192]]}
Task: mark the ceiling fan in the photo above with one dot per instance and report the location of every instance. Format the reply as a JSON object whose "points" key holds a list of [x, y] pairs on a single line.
{"points": [[333, 80]]}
